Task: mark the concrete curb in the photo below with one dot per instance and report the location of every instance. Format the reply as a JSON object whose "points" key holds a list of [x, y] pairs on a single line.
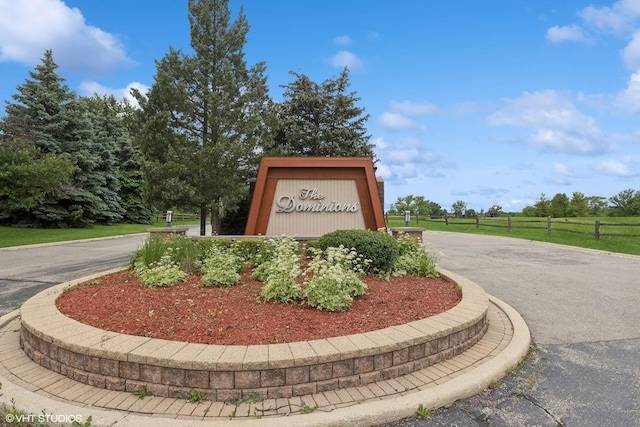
{"points": [[364, 414]]}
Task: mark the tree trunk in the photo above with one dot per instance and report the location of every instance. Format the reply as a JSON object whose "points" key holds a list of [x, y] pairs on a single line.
{"points": [[203, 219], [216, 224]]}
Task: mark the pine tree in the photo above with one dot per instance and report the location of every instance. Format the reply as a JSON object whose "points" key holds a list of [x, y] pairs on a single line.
{"points": [[122, 186], [204, 116], [47, 115], [321, 120]]}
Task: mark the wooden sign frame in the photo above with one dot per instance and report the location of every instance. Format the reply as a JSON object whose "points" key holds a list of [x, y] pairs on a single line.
{"points": [[356, 169]]}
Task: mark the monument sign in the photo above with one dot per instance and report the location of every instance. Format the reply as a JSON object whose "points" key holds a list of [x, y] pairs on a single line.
{"points": [[311, 196]]}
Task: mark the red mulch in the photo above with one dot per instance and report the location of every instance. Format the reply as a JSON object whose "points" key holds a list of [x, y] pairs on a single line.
{"points": [[235, 316]]}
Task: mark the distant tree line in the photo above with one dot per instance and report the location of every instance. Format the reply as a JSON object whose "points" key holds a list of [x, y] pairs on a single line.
{"points": [[193, 144], [624, 203]]}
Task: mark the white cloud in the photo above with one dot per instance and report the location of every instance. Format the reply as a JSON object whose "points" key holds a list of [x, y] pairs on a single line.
{"points": [[408, 108], [631, 52], [342, 40], [408, 160], [466, 108], [344, 58], [572, 33], [561, 174], [623, 168], [628, 100], [556, 123], [28, 28], [394, 121], [619, 18], [90, 88]]}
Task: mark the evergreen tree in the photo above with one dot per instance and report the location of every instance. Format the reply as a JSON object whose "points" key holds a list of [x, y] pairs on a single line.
{"points": [[579, 204], [542, 207], [626, 203], [321, 120], [123, 162], [204, 117], [559, 205], [47, 115]]}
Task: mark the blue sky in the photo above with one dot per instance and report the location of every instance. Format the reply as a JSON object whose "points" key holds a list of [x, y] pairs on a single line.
{"points": [[491, 103]]}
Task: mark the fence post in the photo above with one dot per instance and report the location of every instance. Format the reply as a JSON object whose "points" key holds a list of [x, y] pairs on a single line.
{"points": [[548, 226], [509, 223], [477, 222], [446, 220], [597, 232]]}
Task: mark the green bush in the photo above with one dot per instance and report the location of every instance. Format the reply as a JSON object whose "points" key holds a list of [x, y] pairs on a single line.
{"points": [[334, 279], [248, 249], [281, 287], [309, 247], [415, 259], [221, 267], [159, 274], [280, 271], [379, 247], [334, 289]]}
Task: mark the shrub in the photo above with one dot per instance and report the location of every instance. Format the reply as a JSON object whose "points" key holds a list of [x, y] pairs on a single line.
{"points": [[379, 247], [221, 267], [280, 272], [281, 287], [310, 246], [415, 259], [248, 249], [183, 252], [334, 279], [162, 273]]}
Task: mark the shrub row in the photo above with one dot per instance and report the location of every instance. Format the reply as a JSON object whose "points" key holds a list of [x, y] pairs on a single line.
{"points": [[331, 280]]}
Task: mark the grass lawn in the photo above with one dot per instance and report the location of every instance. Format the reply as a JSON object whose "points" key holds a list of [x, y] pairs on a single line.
{"points": [[12, 236], [581, 235]]}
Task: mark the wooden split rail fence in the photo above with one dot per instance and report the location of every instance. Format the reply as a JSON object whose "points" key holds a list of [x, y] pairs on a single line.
{"points": [[549, 224]]}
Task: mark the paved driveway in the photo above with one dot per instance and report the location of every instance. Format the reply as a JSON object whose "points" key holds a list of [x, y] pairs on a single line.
{"points": [[26, 270], [566, 295], [583, 310]]}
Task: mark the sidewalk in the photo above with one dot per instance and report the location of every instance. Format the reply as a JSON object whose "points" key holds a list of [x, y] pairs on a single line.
{"points": [[34, 389]]}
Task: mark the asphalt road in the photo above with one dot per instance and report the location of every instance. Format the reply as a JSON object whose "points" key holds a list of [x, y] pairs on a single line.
{"points": [[26, 270], [582, 306], [583, 310]]}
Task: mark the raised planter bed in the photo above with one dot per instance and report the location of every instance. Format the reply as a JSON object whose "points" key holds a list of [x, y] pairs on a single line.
{"points": [[169, 368]]}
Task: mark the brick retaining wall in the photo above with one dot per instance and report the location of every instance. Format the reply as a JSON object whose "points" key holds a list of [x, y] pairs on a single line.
{"points": [[172, 369]]}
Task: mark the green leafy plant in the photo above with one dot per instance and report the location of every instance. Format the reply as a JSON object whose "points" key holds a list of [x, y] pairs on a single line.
{"points": [[377, 246], [221, 268], [158, 274], [86, 423], [142, 392], [306, 409], [334, 279], [414, 259], [196, 396], [279, 271], [247, 249], [423, 412]]}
